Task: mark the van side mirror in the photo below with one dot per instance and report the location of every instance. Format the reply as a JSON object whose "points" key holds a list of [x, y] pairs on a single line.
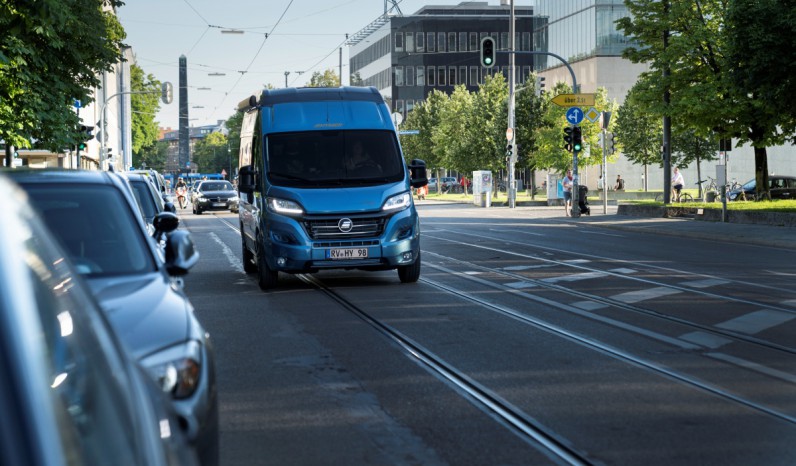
{"points": [[246, 179], [418, 175]]}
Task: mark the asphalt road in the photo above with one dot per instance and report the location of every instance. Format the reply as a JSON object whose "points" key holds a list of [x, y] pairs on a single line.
{"points": [[531, 338]]}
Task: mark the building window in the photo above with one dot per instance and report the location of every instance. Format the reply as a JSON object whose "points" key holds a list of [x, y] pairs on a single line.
{"points": [[432, 76], [463, 42], [399, 41], [474, 76], [441, 76], [440, 42], [430, 42], [420, 42], [526, 41], [410, 42], [526, 73], [451, 76], [474, 45], [452, 42], [504, 41], [410, 75], [399, 106], [463, 75], [399, 75], [421, 76], [410, 104]]}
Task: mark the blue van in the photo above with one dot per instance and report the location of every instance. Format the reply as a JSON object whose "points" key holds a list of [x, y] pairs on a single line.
{"points": [[323, 185]]}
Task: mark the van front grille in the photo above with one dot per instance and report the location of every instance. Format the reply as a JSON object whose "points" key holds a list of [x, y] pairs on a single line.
{"points": [[339, 228]]}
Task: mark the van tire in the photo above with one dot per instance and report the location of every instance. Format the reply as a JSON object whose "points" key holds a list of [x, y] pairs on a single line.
{"points": [[410, 273], [267, 279], [249, 266]]}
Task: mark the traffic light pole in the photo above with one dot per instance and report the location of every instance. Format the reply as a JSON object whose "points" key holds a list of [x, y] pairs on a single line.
{"points": [[512, 189], [103, 135]]}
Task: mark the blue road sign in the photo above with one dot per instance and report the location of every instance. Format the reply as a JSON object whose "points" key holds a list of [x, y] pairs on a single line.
{"points": [[574, 115], [409, 131], [77, 103]]}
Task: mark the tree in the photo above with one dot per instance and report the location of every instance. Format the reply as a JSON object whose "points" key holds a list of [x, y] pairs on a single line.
{"points": [[154, 156], [233, 125], [356, 80], [702, 57], [144, 128], [51, 52], [638, 132], [424, 118], [211, 154], [326, 79]]}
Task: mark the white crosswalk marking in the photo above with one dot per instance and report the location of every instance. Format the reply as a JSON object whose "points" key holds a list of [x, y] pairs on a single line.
{"points": [[643, 295], [755, 322], [575, 277], [707, 283]]}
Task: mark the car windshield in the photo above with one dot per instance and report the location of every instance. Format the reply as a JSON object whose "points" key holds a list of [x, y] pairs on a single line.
{"points": [[749, 184], [334, 158], [215, 186], [96, 226]]}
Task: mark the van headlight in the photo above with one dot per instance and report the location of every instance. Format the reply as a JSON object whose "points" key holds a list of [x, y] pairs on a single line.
{"points": [[176, 370], [284, 206], [401, 201]]}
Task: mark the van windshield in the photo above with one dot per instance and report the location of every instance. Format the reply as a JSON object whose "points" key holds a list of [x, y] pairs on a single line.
{"points": [[333, 158]]}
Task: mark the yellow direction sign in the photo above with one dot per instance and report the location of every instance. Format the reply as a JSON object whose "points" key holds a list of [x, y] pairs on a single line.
{"points": [[574, 100]]}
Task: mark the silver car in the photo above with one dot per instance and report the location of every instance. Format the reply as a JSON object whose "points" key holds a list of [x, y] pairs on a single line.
{"points": [[69, 393], [97, 220]]}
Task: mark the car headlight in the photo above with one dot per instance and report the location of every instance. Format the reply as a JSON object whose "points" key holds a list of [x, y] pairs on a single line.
{"points": [[401, 201], [284, 206], [234, 199], [176, 370], [733, 196]]}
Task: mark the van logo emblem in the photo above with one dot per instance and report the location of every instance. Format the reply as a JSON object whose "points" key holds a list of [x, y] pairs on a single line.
{"points": [[345, 225]]}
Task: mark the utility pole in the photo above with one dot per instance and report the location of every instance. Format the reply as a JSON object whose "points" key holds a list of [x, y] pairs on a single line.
{"points": [[287, 73], [667, 120], [512, 187]]}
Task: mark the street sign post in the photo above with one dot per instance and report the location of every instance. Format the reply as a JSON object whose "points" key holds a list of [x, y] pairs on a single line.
{"points": [[574, 115], [574, 100]]}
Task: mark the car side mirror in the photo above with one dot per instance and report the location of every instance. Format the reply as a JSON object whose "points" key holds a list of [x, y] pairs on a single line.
{"points": [[181, 254], [165, 222], [170, 207], [418, 175]]}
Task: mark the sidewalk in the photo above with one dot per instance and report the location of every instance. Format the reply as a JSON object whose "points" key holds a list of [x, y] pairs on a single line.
{"points": [[763, 235]]}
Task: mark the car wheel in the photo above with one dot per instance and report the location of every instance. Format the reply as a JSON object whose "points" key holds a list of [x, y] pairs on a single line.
{"points": [[410, 273], [197, 211], [249, 266], [267, 279]]}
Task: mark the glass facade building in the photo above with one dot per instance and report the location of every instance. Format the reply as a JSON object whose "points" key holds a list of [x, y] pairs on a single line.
{"points": [[579, 29]]}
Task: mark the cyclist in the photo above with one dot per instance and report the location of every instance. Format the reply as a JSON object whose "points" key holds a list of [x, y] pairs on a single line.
{"points": [[677, 184]]}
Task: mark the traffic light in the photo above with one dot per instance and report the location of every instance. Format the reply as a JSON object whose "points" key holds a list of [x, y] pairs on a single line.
{"points": [[509, 152], [109, 152], [568, 139], [166, 92], [85, 136], [487, 52], [539, 85], [577, 139], [609, 143]]}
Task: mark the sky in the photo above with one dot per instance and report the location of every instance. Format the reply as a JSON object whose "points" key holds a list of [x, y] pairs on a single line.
{"points": [[295, 36]]}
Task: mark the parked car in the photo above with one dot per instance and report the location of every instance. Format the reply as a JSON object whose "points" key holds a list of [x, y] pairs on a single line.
{"points": [[69, 392], [96, 218], [149, 201], [445, 184], [780, 187], [214, 195], [157, 179]]}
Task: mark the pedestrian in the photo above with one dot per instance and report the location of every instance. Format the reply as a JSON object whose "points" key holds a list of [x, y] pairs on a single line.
{"points": [[620, 183], [566, 183], [677, 184], [600, 183]]}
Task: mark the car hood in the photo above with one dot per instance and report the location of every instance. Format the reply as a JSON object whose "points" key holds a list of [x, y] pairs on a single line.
{"points": [[146, 311]]}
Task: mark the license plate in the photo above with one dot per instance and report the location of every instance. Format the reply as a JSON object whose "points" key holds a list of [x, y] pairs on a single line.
{"points": [[347, 253], [219, 204]]}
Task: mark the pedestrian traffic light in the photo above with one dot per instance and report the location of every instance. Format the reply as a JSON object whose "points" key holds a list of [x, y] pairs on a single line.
{"points": [[487, 52], [568, 139], [609, 143], [577, 139], [85, 136], [539, 85]]}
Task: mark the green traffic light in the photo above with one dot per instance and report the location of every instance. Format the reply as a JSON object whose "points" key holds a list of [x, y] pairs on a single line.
{"points": [[488, 60]]}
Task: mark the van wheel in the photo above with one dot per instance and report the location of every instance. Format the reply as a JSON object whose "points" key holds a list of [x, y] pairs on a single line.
{"points": [[266, 278], [249, 266], [410, 273]]}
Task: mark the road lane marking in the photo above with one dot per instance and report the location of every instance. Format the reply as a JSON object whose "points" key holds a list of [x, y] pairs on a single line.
{"points": [[708, 282], [756, 322], [643, 295], [574, 277], [233, 260]]}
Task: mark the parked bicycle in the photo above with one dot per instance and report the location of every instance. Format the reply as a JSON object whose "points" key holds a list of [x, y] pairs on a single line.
{"points": [[710, 188]]}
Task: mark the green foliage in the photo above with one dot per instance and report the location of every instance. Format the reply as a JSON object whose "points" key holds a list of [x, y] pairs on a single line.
{"points": [[212, 154], [326, 79], [154, 156], [52, 52], [144, 108], [233, 125]]}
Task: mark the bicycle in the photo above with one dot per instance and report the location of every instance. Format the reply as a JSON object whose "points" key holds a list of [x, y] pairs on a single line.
{"points": [[684, 197], [711, 188]]}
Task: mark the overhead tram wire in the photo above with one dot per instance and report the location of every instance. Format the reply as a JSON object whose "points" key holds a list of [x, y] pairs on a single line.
{"points": [[242, 73]]}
